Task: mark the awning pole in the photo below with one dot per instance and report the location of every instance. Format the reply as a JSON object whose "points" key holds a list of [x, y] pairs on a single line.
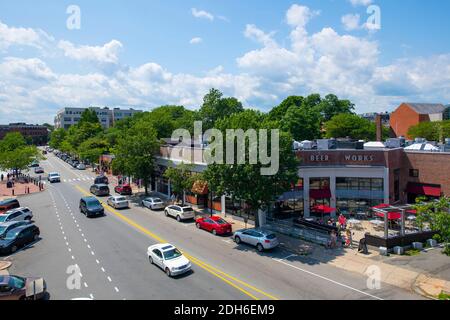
{"points": [[386, 225], [403, 222]]}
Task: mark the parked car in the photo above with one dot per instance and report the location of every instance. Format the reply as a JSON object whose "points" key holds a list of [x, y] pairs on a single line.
{"points": [[54, 177], [18, 214], [260, 238], [34, 164], [8, 204], [118, 202], [100, 190], [153, 203], [124, 190], [180, 213], [18, 237], [75, 163], [15, 288], [7, 226], [101, 180], [81, 166], [38, 170], [91, 207], [169, 259], [214, 224]]}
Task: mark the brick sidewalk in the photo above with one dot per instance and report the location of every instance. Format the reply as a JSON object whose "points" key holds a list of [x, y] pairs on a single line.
{"points": [[19, 189]]}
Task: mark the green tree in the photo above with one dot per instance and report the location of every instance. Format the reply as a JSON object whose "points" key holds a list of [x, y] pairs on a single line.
{"points": [[245, 181], [216, 107], [427, 130], [89, 116], [181, 179], [57, 137], [15, 154], [135, 152], [331, 106], [93, 148], [303, 123], [350, 125], [436, 215], [280, 111]]}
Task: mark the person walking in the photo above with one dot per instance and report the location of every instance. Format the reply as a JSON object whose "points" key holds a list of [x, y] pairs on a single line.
{"points": [[349, 239], [2, 177]]}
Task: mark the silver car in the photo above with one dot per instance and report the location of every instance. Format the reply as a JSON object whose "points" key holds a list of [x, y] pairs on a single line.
{"points": [[19, 214], [153, 203], [260, 238], [118, 202]]}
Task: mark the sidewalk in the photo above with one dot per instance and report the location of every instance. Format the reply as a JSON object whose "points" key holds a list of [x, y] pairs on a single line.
{"points": [[19, 189]]}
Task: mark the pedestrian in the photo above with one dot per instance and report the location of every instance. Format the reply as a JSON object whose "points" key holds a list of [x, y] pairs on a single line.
{"points": [[2, 177], [349, 239], [333, 240]]}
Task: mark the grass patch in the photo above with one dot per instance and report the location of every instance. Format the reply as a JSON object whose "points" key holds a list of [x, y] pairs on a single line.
{"points": [[412, 252]]}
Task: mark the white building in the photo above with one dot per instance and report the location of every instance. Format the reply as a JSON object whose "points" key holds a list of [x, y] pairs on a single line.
{"points": [[67, 117]]}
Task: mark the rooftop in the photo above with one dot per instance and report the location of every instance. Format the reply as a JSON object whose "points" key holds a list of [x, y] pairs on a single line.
{"points": [[427, 108]]}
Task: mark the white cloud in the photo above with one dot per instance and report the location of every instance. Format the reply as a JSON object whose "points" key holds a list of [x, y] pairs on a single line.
{"points": [[11, 36], [202, 14], [106, 54], [252, 32], [299, 16], [351, 21], [196, 40], [361, 2]]}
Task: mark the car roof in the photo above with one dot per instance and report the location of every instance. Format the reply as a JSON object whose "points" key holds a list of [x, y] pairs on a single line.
{"points": [[9, 223], [89, 198], [101, 185], [4, 279], [163, 246], [20, 228], [8, 201], [53, 173], [17, 209]]}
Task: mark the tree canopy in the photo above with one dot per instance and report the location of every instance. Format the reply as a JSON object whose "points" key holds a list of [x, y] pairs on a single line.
{"points": [[15, 154]]}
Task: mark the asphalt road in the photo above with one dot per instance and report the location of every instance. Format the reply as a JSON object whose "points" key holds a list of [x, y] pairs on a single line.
{"points": [[110, 253]]}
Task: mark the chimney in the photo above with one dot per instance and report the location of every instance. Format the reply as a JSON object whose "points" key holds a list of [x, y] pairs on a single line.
{"points": [[379, 125]]}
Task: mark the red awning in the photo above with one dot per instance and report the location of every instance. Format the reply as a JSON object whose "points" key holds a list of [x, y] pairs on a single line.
{"points": [[391, 215], [320, 194], [423, 189], [324, 209], [411, 211], [381, 206]]}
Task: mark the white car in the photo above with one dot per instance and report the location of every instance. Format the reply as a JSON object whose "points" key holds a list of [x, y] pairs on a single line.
{"points": [[81, 166], [54, 177], [19, 214], [118, 202], [169, 259], [153, 203], [180, 213]]}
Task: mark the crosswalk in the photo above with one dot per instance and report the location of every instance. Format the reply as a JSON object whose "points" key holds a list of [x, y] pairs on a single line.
{"points": [[85, 178]]}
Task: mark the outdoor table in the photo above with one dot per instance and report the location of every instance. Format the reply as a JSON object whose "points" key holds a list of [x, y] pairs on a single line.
{"points": [[412, 218], [377, 222], [354, 223]]}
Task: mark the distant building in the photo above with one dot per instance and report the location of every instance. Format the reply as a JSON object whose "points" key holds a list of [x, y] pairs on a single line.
{"points": [[37, 134], [447, 112], [408, 115], [67, 117], [385, 117]]}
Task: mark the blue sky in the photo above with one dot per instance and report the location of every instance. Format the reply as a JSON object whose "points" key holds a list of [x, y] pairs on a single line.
{"points": [[147, 53]]}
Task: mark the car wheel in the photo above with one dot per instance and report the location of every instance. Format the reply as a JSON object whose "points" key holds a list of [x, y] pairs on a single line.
{"points": [[214, 232], [13, 249], [166, 213], [150, 259], [237, 240], [169, 274], [36, 237], [178, 218], [198, 225], [259, 247], [28, 218]]}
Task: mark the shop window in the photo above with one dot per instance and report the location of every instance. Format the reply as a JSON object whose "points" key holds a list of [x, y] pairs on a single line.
{"points": [[319, 183], [341, 184], [364, 184], [377, 184], [413, 173]]}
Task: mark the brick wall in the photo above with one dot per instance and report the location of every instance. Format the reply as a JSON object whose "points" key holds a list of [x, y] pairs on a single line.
{"points": [[402, 119]]}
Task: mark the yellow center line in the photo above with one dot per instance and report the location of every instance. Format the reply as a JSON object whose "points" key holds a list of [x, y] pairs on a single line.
{"points": [[214, 271]]}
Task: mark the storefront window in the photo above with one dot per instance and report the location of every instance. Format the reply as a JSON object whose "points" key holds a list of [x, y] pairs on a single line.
{"points": [[289, 205], [319, 183], [239, 208], [377, 184], [364, 184]]}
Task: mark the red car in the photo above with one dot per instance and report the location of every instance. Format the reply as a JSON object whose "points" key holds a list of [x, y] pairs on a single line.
{"points": [[124, 190], [216, 225]]}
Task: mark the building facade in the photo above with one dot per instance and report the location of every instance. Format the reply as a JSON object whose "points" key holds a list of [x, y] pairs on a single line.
{"points": [[67, 117], [408, 115], [349, 180], [35, 133]]}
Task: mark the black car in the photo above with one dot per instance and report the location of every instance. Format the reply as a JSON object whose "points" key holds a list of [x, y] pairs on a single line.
{"points": [[8, 204], [100, 190], [91, 207], [18, 237], [8, 226], [101, 180]]}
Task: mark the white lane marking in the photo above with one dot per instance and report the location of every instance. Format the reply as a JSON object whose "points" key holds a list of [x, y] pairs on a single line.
{"points": [[290, 256], [85, 285], [70, 250], [73, 258], [98, 262], [329, 280], [109, 279], [117, 289], [103, 269], [92, 296], [92, 252]]}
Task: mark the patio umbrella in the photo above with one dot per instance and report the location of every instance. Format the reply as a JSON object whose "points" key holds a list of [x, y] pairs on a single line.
{"points": [[381, 206], [391, 215], [324, 209]]}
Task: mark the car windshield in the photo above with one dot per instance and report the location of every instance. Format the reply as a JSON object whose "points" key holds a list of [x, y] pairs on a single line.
{"points": [[221, 221], [157, 200], [10, 235], [2, 229], [3, 218], [271, 236], [104, 188], [93, 203], [16, 282], [121, 199], [188, 209], [172, 254]]}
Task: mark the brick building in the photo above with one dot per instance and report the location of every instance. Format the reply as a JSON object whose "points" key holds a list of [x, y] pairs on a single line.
{"points": [[411, 114], [37, 134]]}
